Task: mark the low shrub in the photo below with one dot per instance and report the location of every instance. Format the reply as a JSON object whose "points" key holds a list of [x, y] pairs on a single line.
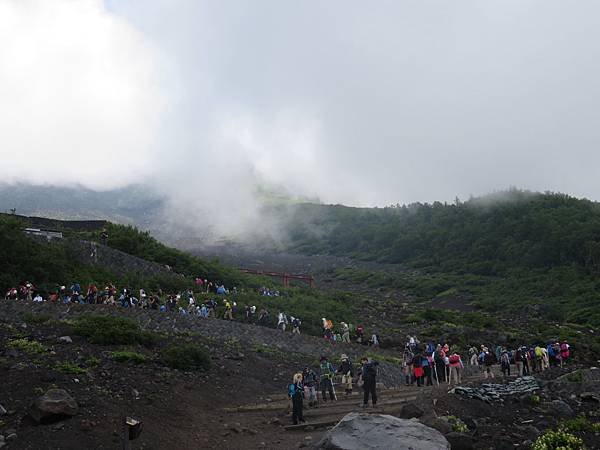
{"points": [[112, 330], [70, 368], [580, 424], [129, 357], [457, 424], [27, 346], [31, 318], [186, 357], [558, 440]]}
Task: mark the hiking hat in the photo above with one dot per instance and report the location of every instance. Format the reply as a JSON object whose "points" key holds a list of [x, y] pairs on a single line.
{"points": [[344, 356]]}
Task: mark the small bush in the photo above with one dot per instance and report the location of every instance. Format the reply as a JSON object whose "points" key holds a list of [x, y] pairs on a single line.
{"points": [[579, 424], [186, 357], [92, 361], [458, 425], [32, 319], [70, 368], [575, 377], [27, 346], [129, 356], [558, 440], [112, 330]]}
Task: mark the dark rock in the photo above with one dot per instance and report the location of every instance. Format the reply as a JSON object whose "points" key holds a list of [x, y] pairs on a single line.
{"points": [[470, 423], [460, 441], [54, 405], [438, 424], [87, 425], [357, 431], [503, 444], [589, 397], [11, 353], [2, 410], [562, 408], [409, 411]]}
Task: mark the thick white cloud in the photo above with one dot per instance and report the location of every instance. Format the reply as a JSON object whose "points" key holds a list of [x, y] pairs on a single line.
{"points": [[355, 102], [80, 100]]}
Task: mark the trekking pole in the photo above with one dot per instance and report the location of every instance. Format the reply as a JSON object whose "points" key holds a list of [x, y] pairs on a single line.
{"points": [[333, 389], [436, 374]]}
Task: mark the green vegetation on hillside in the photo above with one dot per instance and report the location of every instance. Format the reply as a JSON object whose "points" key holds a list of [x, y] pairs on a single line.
{"points": [[483, 236], [138, 243], [508, 252]]}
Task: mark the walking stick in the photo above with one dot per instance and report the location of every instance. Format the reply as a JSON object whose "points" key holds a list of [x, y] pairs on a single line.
{"points": [[436, 374], [333, 389]]}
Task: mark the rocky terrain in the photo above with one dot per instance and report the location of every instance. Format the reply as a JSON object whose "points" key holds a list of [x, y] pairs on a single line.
{"points": [[240, 401]]}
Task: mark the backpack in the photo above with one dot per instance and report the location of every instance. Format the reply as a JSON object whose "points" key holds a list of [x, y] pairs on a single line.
{"points": [[454, 359], [326, 370], [430, 348], [370, 371], [488, 358], [439, 355]]}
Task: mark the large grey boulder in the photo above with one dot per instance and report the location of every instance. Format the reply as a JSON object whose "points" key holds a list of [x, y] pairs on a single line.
{"points": [[359, 431], [55, 404]]}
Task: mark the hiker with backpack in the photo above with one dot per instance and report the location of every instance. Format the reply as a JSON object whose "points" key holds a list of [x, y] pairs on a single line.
{"points": [[505, 362], [473, 356], [282, 321], [295, 325], [347, 372], [360, 334], [519, 361], [456, 367], [345, 329], [565, 352], [407, 367], [326, 377], [440, 364], [417, 365], [296, 393], [310, 381], [368, 377], [488, 361]]}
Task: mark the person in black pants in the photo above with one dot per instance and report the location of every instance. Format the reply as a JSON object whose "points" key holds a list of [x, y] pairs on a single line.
{"points": [[368, 374], [296, 393]]}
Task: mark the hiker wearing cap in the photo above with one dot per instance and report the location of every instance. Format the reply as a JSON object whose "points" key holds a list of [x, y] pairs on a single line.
{"points": [[347, 373], [326, 376], [310, 381]]}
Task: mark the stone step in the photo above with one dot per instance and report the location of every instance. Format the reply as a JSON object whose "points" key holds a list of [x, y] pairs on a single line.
{"points": [[340, 392], [355, 406], [330, 420]]}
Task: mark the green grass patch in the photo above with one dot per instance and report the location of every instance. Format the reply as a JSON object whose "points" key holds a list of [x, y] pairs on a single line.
{"points": [[27, 346], [33, 319], [186, 357], [70, 368], [112, 330], [127, 356]]}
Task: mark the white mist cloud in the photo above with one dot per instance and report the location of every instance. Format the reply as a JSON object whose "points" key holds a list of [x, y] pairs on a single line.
{"points": [[80, 101], [349, 101]]}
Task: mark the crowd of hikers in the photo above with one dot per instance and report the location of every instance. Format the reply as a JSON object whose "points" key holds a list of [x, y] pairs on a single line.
{"points": [[208, 299], [422, 365]]}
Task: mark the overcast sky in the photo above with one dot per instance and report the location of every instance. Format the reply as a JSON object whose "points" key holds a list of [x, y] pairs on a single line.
{"points": [[355, 102]]}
